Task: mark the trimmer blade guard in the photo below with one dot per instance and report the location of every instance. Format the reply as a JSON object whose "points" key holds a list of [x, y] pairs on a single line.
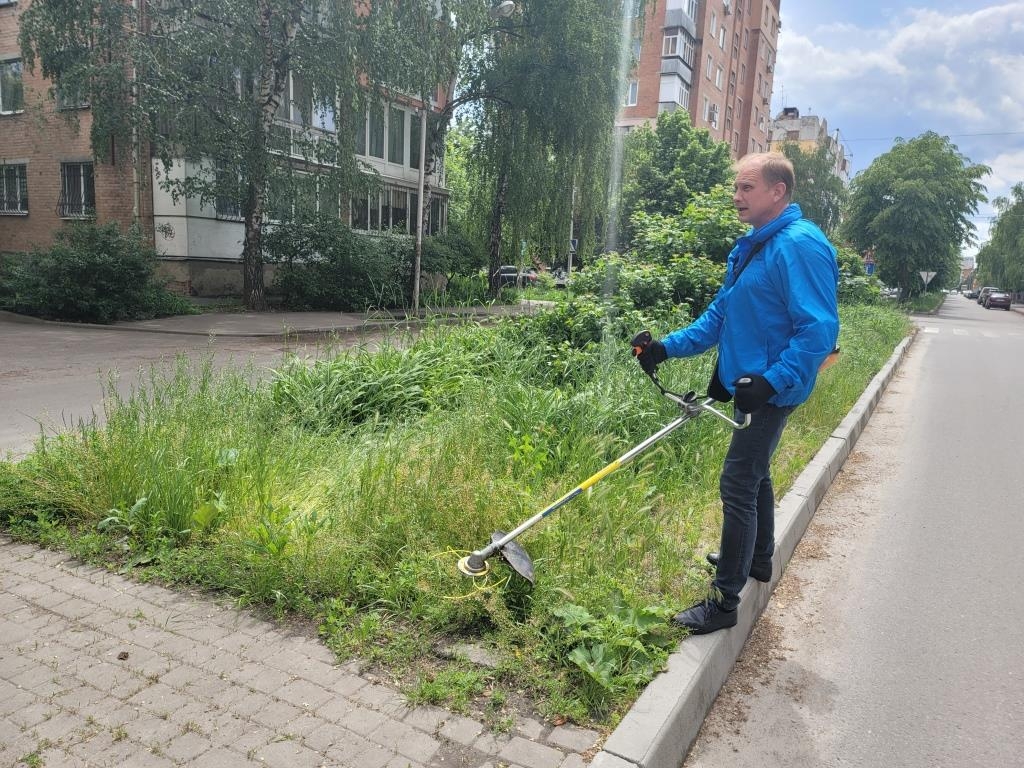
{"points": [[516, 557]]}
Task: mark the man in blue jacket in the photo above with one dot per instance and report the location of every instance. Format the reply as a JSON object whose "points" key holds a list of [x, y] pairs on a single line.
{"points": [[775, 321]]}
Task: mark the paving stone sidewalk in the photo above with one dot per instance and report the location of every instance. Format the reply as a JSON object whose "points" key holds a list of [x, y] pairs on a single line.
{"points": [[96, 670]]}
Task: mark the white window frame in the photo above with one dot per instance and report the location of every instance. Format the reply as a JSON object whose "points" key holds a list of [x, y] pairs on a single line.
{"points": [[689, 50], [719, 73], [670, 45], [684, 95], [18, 72], [402, 140], [632, 93]]}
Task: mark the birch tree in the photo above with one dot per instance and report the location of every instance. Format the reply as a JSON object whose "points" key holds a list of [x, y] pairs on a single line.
{"points": [[208, 83]]}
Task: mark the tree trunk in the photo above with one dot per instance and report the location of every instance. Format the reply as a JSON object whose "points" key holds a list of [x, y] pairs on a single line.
{"points": [[252, 253], [494, 240]]}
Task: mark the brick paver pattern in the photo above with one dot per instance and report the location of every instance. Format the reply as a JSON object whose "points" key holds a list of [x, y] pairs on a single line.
{"points": [[97, 670]]}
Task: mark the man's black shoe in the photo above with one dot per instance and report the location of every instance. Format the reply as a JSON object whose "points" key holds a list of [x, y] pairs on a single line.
{"points": [[759, 571], [704, 617]]}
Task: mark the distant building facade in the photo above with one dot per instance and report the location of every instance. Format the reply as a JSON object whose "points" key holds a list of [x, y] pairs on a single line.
{"points": [[713, 58], [50, 177], [809, 132]]}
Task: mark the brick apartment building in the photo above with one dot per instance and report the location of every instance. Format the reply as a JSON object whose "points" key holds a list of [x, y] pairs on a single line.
{"points": [[49, 177], [713, 58]]}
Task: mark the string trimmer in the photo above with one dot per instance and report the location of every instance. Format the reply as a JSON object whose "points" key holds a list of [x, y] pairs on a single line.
{"points": [[505, 544]]}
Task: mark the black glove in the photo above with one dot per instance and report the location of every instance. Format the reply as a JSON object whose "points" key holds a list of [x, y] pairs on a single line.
{"points": [[752, 392], [649, 352]]}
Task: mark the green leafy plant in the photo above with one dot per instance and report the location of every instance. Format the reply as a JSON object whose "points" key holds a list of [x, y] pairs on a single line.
{"points": [[323, 265], [621, 649], [91, 274]]}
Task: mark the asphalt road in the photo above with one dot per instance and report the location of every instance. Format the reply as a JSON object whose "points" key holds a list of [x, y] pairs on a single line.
{"points": [[51, 375], [895, 637]]}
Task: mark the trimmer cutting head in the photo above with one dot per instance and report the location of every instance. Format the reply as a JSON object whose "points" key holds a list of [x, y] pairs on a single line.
{"points": [[476, 565]]}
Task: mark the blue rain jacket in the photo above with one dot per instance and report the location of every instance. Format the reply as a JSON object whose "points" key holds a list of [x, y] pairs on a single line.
{"points": [[780, 318]]}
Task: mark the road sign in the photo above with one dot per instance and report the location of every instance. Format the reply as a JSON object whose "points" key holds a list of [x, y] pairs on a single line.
{"points": [[927, 277], [573, 245]]}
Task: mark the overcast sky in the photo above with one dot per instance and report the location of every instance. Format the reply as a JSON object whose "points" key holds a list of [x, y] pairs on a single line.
{"points": [[876, 70]]}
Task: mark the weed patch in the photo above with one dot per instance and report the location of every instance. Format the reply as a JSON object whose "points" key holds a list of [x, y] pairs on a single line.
{"points": [[344, 491]]}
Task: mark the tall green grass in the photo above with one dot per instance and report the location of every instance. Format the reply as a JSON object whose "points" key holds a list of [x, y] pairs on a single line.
{"points": [[347, 488]]}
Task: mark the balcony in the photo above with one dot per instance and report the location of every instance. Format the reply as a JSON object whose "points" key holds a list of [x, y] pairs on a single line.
{"points": [[677, 18], [673, 65]]}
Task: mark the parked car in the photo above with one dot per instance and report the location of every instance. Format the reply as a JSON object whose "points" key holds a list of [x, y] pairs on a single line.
{"points": [[561, 278], [997, 298], [983, 293], [972, 293], [509, 274]]}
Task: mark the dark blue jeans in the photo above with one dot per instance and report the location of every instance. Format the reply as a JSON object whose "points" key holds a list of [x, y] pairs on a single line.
{"points": [[748, 501]]}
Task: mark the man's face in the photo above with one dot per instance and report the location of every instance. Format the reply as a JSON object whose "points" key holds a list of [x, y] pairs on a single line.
{"points": [[756, 202]]}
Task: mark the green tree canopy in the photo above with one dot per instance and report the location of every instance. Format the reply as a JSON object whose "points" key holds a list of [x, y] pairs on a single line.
{"points": [[1001, 259], [666, 167], [209, 81], [819, 191], [540, 95], [708, 227], [912, 206]]}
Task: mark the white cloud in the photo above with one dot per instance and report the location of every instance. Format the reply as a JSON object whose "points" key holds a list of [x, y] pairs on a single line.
{"points": [[962, 71], [1007, 170], [902, 72]]}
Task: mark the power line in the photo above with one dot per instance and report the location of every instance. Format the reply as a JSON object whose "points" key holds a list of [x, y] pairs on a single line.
{"points": [[951, 136]]}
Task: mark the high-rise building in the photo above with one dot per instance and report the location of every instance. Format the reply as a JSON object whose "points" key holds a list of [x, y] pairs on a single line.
{"points": [[713, 58]]}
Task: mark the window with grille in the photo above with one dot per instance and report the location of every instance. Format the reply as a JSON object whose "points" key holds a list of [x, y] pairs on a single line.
{"points": [[77, 191], [228, 181], [13, 189]]}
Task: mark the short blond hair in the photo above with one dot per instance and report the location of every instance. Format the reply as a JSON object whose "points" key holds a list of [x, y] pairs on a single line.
{"points": [[774, 166]]}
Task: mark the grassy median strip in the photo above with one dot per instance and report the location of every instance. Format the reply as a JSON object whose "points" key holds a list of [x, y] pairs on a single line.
{"points": [[346, 489]]}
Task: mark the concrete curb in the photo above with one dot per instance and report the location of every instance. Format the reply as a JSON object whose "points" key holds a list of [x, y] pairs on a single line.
{"points": [[290, 325], [662, 725]]}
